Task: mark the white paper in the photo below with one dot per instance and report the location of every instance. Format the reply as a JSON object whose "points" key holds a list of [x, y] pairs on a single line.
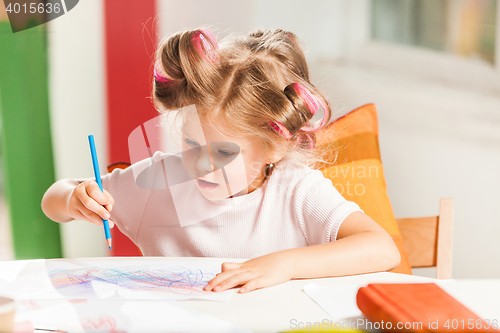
{"points": [[48, 314], [32, 282], [338, 301], [118, 279], [10, 269]]}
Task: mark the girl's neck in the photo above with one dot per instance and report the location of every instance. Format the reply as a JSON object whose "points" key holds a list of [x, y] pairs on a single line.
{"points": [[267, 173]]}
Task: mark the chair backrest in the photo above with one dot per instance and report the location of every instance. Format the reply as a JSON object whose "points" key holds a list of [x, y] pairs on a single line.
{"points": [[428, 241], [118, 165]]}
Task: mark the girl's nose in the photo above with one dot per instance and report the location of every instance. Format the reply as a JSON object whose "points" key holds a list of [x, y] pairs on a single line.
{"points": [[203, 162]]}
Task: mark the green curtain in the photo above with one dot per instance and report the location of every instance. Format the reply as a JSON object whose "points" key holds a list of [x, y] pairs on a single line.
{"points": [[27, 160]]}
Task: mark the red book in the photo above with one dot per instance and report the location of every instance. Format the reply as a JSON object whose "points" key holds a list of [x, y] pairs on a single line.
{"points": [[418, 307]]}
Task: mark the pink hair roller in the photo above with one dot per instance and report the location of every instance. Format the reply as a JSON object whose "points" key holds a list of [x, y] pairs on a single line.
{"points": [[160, 74], [311, 142], [306, 96], [281, 129], [313, 104], [206, 47]]}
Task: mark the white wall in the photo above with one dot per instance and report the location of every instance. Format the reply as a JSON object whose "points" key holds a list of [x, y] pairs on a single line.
{"points": [[220, 16], [436, 141], [77, 106], [321, 24]]}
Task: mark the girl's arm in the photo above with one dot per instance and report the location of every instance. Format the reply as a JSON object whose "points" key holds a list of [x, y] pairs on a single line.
{"points": [[55, 199], [68, 199], [362, 246]]}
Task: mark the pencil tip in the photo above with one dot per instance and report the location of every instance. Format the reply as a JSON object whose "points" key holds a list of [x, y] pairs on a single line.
{"points": [[109, 242]]}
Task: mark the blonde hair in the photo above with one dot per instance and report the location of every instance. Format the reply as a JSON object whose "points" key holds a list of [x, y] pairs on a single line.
{"points": [[244, 89]]}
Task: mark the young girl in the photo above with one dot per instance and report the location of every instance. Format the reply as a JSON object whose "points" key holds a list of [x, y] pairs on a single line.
{"points": [[245, 185]]}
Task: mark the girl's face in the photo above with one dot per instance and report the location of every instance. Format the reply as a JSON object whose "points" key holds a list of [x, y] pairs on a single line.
{"points": [[221, 166]]}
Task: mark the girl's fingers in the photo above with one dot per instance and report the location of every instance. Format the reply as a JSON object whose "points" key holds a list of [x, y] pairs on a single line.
{"points": [[95, 193], [95, 208], [219, 278], [86, 203], [234, 280], [109, 197], [102, 198], [78, 215], [109, 207], [229, 265], [227, 270], [91, 217], [87, 216], [250, 285], [94, 218]]}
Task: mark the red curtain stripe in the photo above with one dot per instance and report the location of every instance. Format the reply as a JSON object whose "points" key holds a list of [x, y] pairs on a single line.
{"points": [[130, 36]]}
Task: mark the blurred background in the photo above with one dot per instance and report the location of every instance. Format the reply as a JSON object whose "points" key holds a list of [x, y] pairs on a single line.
{"points": [[432, 68]]}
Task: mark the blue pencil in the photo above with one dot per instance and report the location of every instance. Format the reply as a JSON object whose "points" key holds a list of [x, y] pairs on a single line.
{"points": [[98, 180]]}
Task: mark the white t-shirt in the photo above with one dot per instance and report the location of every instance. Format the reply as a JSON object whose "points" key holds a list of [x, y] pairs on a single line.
{"points": [[295, 207]]}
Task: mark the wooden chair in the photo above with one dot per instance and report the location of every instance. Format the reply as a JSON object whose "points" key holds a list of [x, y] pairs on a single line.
{"points": [[428, 241]]}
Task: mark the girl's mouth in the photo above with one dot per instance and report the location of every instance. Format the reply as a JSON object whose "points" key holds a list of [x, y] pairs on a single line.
{"points": [[207, 186]]}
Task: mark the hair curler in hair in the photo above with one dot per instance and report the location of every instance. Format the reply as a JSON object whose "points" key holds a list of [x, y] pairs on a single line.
{"points": [[160, 74], [281, 129], [314, 105], [206, 44], [308, 99], [310, 141]]}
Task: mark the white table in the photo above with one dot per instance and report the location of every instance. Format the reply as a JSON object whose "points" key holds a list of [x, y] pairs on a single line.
{"points": [[272, 309]]}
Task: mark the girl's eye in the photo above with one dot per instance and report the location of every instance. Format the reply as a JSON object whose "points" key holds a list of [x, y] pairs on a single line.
{"points": [[191, 143], [226, 153]]}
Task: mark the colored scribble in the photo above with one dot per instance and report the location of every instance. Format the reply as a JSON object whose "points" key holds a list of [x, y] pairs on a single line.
{"points": [[30, 305], [178, 279], [78, 300], [100, 324]]}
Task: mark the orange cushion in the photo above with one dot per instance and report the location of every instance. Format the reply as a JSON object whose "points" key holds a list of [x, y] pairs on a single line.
{"points": [[357, 172]]}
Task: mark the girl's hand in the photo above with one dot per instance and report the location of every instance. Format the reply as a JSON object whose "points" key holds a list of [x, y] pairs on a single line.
{"points": [[86, 202], [266, 271]]}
